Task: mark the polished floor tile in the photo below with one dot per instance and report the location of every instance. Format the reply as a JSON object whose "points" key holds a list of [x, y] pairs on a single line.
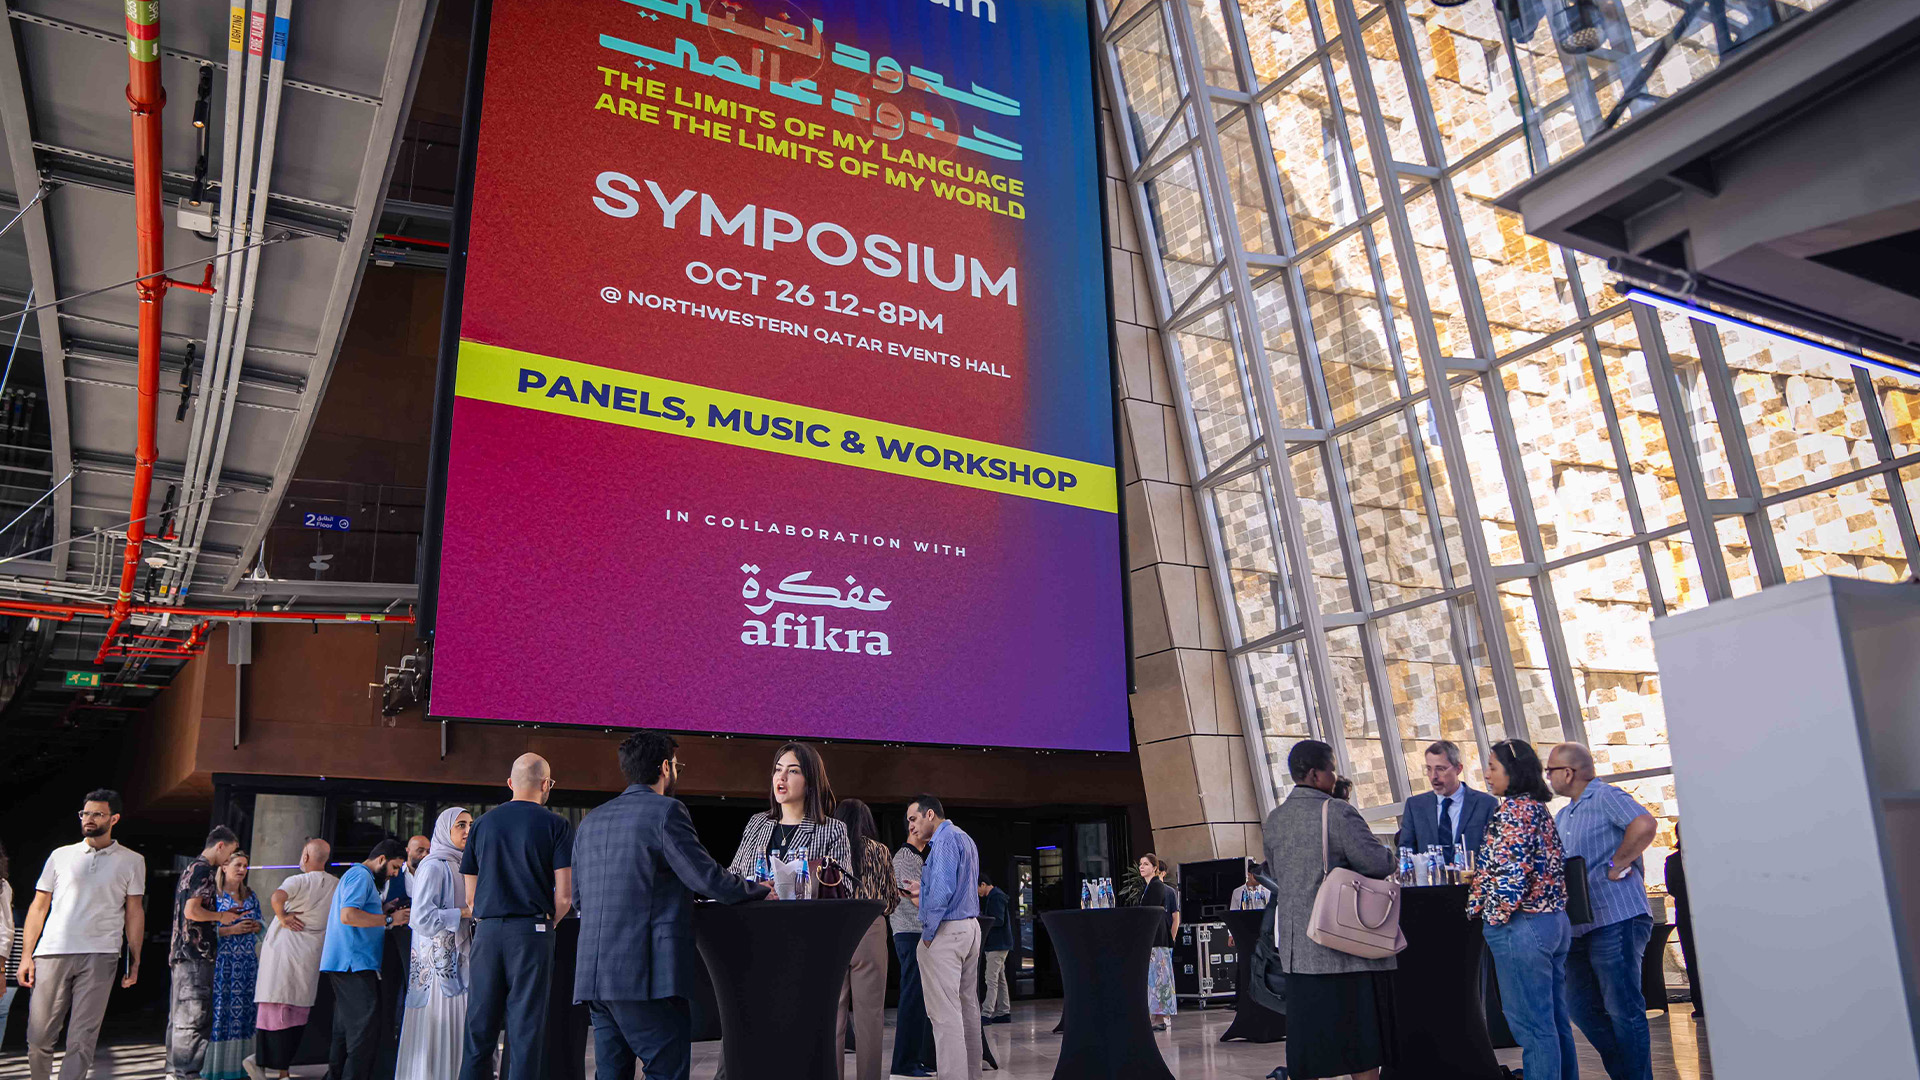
{"points": [[1027, 1049]]}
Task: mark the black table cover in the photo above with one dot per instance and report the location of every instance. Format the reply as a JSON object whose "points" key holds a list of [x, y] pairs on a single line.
{"points": [[1252, 1021], [777, 966], [1104, 954], [1440, 1022]]}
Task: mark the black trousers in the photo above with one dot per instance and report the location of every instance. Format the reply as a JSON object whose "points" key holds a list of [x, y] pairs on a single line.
{"points": [[913, 1032], [659, 1032], [512, 969], [356, 1025]]}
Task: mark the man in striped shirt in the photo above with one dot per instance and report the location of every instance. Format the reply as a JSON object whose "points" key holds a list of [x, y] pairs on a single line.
{"points": [[1608, 828]]}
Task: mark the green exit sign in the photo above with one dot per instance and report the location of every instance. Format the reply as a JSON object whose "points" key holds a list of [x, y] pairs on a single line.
{"points": [[83, 678]]}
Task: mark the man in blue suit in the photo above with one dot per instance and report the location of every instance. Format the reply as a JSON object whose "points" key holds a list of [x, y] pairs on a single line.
{"points": [[1451, 810], [636, 867]]}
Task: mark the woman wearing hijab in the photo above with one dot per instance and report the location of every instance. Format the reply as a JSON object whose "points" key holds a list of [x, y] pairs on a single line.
{"points": [[432, 1034]]}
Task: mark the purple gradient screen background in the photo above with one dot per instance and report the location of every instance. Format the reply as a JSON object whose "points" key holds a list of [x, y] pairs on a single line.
{"points": [[570, 590]]}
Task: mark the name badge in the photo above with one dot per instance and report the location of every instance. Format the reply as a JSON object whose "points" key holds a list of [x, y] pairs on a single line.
{"points": [[539, 928]]}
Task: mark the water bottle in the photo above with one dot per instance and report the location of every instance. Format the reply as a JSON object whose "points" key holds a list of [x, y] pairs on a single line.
{"points": [[1086, 895], [761, 871], [1106, 889], [1406, 866]]}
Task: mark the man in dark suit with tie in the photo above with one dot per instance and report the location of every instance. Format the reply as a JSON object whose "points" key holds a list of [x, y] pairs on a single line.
{"points": [[636, 867], [1451, 810]]}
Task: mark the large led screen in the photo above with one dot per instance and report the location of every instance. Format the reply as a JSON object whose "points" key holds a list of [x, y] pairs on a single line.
{"points": [[782, 401]]}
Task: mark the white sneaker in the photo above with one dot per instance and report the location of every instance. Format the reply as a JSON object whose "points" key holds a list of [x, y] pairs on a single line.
{"points": [[253, 1070]]}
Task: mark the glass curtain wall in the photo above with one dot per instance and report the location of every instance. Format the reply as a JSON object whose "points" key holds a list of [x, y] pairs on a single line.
{"points": [[1449, 476]]}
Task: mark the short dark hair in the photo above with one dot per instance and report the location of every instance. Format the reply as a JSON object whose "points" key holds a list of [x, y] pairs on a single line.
{"points": [[220, 834], [644, 754], [1306, 756], [929, 804], [105, 795], [1525, 776], [387, 849]]}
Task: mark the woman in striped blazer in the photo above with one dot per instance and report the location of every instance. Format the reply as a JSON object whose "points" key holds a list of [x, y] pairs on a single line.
{"points": [[799, 820]]}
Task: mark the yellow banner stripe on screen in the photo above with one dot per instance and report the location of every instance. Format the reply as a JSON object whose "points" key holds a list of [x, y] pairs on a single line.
{"points": [[609, 395]]}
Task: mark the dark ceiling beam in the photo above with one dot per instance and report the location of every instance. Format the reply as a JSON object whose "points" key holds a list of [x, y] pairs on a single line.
{"points": [[103, 352], [118, 38], [82, 168], [100, 461]]}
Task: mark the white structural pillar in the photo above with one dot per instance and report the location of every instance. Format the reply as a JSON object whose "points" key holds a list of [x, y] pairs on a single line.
{"points": [[1794, 717], [282, 825]]}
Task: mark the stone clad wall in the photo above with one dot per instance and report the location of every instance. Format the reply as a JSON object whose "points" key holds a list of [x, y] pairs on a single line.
{"points": [[1192, 752]]}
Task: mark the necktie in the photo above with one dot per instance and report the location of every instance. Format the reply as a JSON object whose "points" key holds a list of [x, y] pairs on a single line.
{"points": [[1446, 827]]}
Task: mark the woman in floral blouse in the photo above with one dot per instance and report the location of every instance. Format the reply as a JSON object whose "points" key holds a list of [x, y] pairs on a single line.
{"points": [[863, 993], [1521, 895]]}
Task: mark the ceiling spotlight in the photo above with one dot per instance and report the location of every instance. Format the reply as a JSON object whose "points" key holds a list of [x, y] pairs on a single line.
{"points": [[1576, 27]]}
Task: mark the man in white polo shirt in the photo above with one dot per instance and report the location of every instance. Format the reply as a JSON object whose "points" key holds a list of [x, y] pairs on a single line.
{"points": [[87, 900]]}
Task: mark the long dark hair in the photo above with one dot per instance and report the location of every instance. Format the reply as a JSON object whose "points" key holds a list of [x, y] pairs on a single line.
{"points": [[1525, 777], [813, 769], [858, 819]]}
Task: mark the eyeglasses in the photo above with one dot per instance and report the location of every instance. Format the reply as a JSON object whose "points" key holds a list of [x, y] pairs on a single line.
{"points": [[92, 815], [1441, 770], [1551, 769]]}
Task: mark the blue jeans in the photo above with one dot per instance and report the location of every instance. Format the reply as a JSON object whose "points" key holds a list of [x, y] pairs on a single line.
{"points": [[1603, 993], [1530, 955], [913, 1032]]}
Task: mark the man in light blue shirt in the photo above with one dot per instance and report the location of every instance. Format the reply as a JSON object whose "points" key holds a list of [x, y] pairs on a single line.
{"points": [[949, 948], [1605, 826], [356, 935]]}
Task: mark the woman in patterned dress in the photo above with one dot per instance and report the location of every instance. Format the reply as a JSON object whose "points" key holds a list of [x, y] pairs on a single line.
{"points": [[1521, 895], [436, 1018], [1160, 997], [235, 966]]}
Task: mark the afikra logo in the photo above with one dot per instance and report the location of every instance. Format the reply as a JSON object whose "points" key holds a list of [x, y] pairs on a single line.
{"points": [[804, 630]]}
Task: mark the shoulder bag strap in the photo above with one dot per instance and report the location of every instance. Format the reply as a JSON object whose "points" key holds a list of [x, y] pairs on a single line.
{"points": [[1326, 853]]}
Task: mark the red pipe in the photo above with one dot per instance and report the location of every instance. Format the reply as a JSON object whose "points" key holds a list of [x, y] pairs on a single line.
{"points": [[145, 98], [68, 611]]}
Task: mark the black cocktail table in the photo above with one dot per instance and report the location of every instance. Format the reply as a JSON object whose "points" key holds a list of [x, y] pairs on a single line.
{"points": [[777, 966], [1252, 1021], [1440, 1022], [1104, 954]]}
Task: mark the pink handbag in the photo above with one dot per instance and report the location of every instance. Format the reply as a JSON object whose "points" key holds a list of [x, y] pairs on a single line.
{"points": [[1353, 914]]}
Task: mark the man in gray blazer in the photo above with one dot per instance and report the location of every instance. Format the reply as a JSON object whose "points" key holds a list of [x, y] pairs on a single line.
{"points": [[636, 865], [1451, 810]]}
